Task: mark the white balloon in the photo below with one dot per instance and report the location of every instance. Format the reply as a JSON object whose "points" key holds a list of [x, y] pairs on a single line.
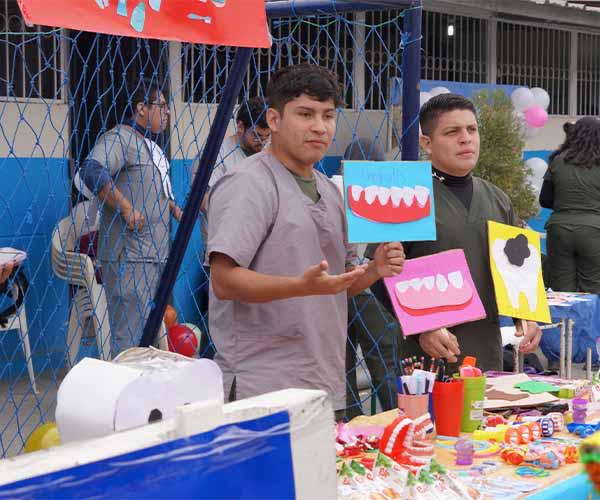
{"points": [[522, 98], [538, 168], [540, 97], [438, 90], [424, 97]]}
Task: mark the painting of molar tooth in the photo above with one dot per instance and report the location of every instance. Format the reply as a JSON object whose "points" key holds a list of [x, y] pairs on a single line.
{"points": [[517, 272], [389, 201], [434, 291]]}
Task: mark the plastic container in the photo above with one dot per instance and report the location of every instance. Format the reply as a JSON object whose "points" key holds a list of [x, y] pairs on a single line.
{"points": [[447, 400], [472, 408], [579, 410], [464, 451], [413, 406]]}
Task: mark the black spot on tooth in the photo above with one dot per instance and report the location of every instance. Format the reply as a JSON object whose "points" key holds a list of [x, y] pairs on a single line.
{"points": [[517, 250]]}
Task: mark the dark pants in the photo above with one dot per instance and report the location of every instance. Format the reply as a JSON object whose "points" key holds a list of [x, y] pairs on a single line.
{"points": [[574, 258], [371, 327]]}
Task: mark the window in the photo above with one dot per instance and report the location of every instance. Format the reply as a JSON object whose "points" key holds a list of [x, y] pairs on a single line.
{"points": [[536, 57], [588, 75], [30, 57]]}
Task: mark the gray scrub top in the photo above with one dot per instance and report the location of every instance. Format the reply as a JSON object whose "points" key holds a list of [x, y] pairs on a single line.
{"points": [[260, 218], [128, 160]]}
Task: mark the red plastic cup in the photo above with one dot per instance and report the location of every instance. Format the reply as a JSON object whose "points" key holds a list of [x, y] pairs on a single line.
{"points": [[448, 407]]}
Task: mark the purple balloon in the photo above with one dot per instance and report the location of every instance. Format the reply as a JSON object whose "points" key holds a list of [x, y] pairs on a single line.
{"points": [[535, 116]]}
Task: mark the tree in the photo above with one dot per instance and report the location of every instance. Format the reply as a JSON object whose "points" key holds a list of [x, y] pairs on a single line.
{"points": [[501, 157]]}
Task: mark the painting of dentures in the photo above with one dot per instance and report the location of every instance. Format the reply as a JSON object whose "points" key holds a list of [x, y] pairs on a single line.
{"points": [[389, 201], [212, 22], [434, 291], [517, 272]]}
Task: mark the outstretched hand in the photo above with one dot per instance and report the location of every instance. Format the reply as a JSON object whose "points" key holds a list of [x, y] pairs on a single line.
{"points": [[317, 281]]}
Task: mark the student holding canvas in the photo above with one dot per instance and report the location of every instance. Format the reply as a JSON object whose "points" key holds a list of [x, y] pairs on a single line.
{"points": [[280, 263], [463, 206]]}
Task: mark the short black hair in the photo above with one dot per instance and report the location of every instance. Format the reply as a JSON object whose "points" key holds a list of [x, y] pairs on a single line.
{"points": [[253, 112], [145, 90], [440, 104], [291, 82], [364, 149]]}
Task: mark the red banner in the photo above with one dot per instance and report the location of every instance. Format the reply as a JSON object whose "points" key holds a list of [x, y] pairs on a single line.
{"points": [[238, 23]]}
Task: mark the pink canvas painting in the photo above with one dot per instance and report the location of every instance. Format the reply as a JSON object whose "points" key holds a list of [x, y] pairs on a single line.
{"points": [[433, 292]]}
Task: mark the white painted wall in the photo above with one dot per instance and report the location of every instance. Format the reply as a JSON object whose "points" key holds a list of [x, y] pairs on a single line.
{"points": [[34, 129]]}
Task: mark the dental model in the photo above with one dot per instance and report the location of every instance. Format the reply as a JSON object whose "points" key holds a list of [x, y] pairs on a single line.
{"points": [[389, 205], [518, 264], [431, 294]]}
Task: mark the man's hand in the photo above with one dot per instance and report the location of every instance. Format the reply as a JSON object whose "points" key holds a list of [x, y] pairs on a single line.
{"points": [[531, 338], [389, 259], [440, 344], [5, 271], [177, 213], [317, 281], [134, 219]]}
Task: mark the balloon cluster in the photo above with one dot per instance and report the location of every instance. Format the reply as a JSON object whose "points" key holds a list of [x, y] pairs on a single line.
{"points": [[182, 338], [531, 108]]}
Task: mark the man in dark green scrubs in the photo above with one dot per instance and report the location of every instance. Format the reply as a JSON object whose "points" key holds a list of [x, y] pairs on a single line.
{"points": [[463, 206]]}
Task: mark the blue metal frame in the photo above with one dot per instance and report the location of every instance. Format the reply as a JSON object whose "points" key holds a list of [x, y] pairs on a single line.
{"points": [[411, 74]]}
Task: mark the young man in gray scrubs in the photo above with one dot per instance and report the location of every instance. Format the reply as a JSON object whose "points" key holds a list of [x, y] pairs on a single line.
{"points": [[281, 265]]}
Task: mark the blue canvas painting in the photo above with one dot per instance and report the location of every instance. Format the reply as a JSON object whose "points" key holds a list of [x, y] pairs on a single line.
{"points": [[389, 201]]}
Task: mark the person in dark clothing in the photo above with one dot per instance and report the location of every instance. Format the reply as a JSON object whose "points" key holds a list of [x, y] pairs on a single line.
{"points": [[463, 206], [571, 188]]}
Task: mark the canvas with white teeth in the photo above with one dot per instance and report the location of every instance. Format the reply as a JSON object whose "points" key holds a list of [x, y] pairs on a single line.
{"points": [[517, 272], [434, 291], [389, 201]]}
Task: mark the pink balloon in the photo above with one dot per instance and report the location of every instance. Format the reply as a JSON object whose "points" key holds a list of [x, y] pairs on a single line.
{"points": [[536, 116]]}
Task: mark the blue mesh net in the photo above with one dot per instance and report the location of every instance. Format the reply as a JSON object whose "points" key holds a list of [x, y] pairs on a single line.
{"points": [[65, 100]]}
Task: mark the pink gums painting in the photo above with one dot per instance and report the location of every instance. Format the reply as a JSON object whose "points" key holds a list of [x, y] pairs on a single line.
{"points": [[434, 291]]}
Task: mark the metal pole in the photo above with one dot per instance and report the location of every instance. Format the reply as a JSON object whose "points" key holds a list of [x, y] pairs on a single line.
{"points": [[411, 82], [294, 8], [192, 207]]}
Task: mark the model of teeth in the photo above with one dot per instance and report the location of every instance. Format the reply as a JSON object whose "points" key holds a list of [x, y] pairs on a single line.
{"points": [[434, 293], [517, 278], [389, 204]]}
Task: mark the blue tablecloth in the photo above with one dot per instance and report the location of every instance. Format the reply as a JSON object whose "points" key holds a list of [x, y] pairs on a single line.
{"points": [[586, 329]]}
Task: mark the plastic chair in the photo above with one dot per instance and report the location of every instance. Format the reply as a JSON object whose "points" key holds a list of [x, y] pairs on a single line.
{"points": [[18, 321], [89, 302]]}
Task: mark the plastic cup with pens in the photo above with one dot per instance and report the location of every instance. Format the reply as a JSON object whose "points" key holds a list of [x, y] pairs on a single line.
{"points": [[414, 388]]}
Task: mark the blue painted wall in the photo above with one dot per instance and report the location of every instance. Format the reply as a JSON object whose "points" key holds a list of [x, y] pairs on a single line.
{"points": [[33, 198]]}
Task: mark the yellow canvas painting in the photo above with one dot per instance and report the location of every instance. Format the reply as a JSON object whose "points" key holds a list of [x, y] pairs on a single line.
{"points": [[516, 263]]}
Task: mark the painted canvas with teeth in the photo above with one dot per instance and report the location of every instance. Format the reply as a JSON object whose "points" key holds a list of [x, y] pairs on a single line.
{"points": [[434, 291], [517, 272], [389, 201]]}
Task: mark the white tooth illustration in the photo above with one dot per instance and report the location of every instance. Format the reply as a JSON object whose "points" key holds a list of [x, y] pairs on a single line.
{"points": [[383, 195], [371, 194], [441, 282], [356, 190], [421, 193], [429, 281], [456, 278], [396, 194], [402, 286], [518, 279], [416, 283], [409, 196]]}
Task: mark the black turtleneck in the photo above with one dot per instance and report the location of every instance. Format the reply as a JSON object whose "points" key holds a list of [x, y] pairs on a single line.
{"points": [[461, 187]]}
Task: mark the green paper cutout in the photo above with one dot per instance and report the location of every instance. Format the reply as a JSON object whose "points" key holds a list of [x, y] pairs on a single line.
{"points": [[535, 387]]}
